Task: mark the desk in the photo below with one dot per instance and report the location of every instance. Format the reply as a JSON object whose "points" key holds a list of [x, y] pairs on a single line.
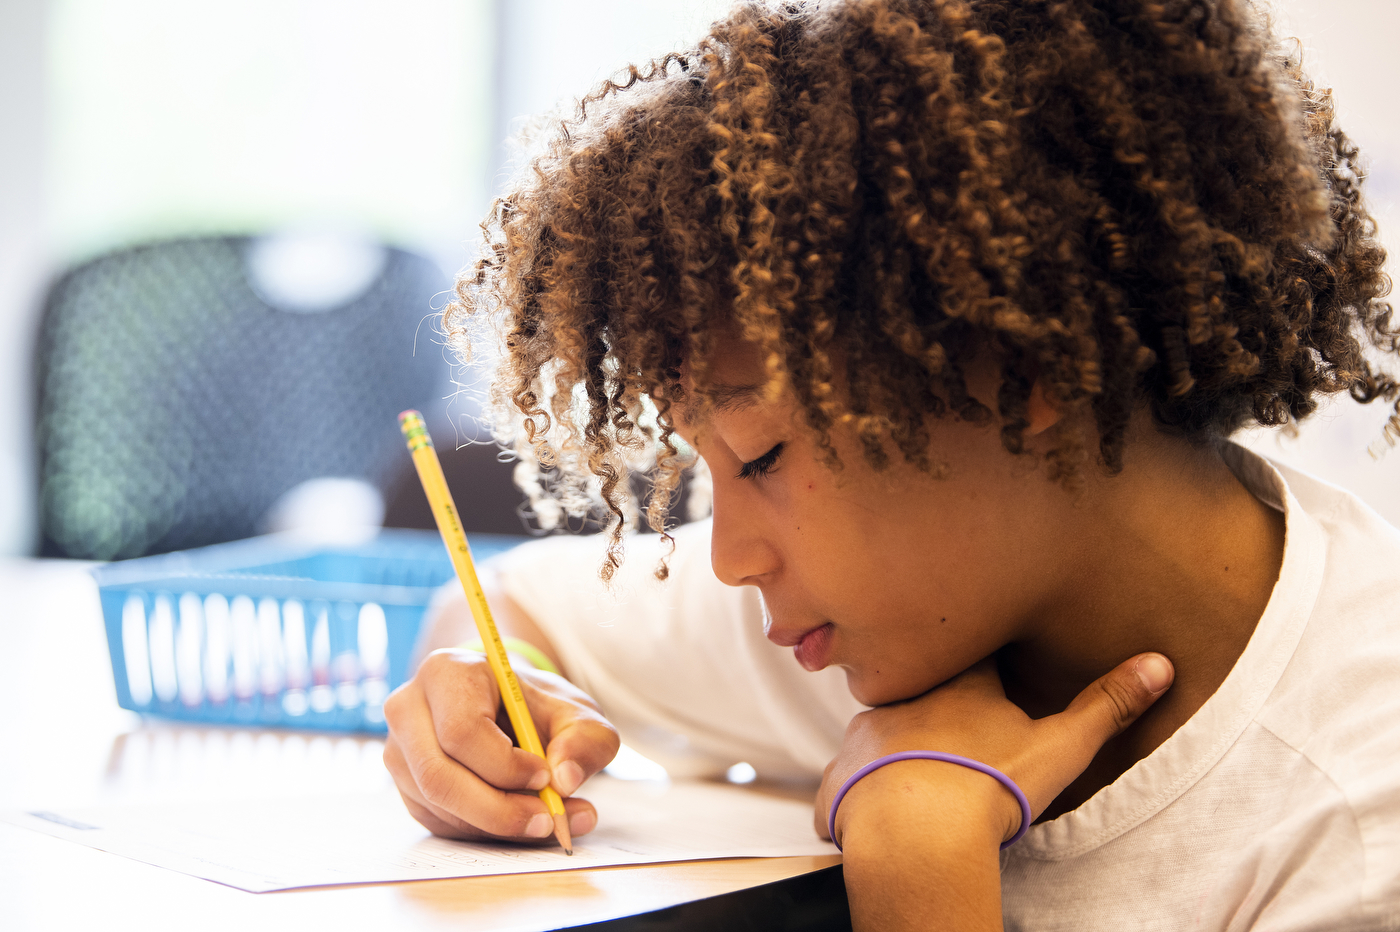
{"points": [[64, 742]]}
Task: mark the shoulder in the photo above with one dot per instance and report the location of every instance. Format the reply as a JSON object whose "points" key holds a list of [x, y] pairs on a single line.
{"points": [[1357, 614], [1337, 704], [634, 616]]}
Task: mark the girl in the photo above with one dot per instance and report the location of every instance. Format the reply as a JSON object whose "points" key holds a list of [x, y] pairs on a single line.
{"points": [[959, 302]]}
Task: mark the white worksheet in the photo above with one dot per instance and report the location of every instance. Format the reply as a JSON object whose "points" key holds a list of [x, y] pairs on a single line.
{"points": [[262, 845]]}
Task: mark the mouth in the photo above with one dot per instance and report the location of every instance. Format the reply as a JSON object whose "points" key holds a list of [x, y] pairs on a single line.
{"points": [[810, 647], [811, 652]]}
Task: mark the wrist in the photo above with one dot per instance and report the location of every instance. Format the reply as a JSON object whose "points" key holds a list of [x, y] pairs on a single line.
{"points": [[922, 853], [927, 804]]}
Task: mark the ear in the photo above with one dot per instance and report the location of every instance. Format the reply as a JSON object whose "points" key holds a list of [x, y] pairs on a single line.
{"points": [[1040, 413]]}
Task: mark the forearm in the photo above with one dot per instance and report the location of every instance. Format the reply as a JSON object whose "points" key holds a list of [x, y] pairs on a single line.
{"points": [[452, 623], [918, 860]]}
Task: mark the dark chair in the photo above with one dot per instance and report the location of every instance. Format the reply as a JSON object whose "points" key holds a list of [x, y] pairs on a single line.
{"points": [[175, 404]]}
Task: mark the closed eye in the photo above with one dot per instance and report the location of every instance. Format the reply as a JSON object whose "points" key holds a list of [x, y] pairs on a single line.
{"points": [[761, 467]]}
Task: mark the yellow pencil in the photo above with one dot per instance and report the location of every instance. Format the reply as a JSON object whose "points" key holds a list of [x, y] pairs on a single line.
{"points": [[425, 459]]}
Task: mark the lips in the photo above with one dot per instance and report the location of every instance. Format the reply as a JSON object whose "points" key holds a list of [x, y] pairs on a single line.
{"points": [[809, 647], [780, 637], [812, 650]]}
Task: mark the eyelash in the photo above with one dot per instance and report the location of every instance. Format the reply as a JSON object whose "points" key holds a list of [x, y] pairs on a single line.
{"points": [[761, 467]]}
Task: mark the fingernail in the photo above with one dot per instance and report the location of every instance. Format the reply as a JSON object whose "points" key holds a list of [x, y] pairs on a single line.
{"points": [[1155, 671], [540, 825], [539, 781], [582, 823], [567, 777]]}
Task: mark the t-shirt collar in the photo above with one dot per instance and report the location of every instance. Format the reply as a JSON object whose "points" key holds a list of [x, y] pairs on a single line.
{"points": [[1157, 780]]}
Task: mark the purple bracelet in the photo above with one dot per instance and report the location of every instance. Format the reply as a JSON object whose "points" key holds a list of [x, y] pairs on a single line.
{"points": [[958, 759]]}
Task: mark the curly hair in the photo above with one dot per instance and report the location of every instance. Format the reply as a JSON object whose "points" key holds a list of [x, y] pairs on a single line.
{"points": [[1131, 203]]}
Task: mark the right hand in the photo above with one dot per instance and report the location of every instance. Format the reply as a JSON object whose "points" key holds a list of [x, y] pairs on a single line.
{"points": [[457, 769]]}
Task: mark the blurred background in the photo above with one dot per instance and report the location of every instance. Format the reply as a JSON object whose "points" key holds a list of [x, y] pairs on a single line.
{"points": [[175, 173]]}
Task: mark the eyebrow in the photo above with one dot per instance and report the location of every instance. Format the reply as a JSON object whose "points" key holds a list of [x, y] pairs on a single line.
{"points": [[734, 397], [726, 398]]}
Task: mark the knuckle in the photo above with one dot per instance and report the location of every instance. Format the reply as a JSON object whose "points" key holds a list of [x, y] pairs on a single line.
{"points": [[469, 743], [599, 753], [394, 706], [597, 732], [591, 749], [591, 722], [1120, 705], [441, 791], [454, 745], [479, 679], [436, 783], [434, 662]]}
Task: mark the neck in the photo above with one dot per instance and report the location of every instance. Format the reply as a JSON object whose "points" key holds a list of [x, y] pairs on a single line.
{"points": [[1173, 555]]}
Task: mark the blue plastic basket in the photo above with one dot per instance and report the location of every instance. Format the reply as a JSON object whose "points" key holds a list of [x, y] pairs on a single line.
{"points": [[268, 632]]}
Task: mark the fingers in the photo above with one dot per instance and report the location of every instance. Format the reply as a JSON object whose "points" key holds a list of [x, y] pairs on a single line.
{"points": [[450, 792], [582, 815], [578, 750], [583, 818], [462, 700], [460, 774], [464, 705], [430, 820], [1114, 701], [579, 742]]}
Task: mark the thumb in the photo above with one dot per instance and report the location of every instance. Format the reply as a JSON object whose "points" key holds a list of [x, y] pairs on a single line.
{"points": [[1114, 701]]}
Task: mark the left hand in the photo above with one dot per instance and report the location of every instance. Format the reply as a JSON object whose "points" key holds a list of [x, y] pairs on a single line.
{"points": [[971, 716]]}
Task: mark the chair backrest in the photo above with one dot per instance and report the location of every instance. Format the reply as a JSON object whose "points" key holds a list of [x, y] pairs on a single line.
{"points": [[175, 404]]}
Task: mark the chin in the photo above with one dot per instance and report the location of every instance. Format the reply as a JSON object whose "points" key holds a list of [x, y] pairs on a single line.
{"points": [[875, 691]]}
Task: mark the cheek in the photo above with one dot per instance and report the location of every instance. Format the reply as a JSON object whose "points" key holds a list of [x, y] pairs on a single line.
{"points": [[805, 508]]}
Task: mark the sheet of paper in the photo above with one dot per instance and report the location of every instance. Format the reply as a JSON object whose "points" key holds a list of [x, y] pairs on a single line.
{"points": [[262, 845]]}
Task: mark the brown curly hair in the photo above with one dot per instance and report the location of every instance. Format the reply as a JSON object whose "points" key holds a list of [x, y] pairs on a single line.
{"points": [[1130, 202]]}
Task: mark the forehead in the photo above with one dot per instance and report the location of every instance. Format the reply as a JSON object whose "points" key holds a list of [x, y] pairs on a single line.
{"points": [[733, 381]]}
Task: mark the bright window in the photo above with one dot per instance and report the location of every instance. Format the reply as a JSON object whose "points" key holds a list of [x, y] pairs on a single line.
{"points": [[174, 117]]}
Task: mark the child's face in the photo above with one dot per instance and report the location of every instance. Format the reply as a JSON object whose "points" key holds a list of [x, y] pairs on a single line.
{"points": [[902, 579]]}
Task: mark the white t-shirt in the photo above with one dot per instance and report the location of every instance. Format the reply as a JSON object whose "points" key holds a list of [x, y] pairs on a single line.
{"points": [[1276, 806]]}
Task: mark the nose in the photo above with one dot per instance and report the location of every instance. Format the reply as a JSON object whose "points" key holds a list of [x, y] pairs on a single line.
{"points": [[742, 549]]}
